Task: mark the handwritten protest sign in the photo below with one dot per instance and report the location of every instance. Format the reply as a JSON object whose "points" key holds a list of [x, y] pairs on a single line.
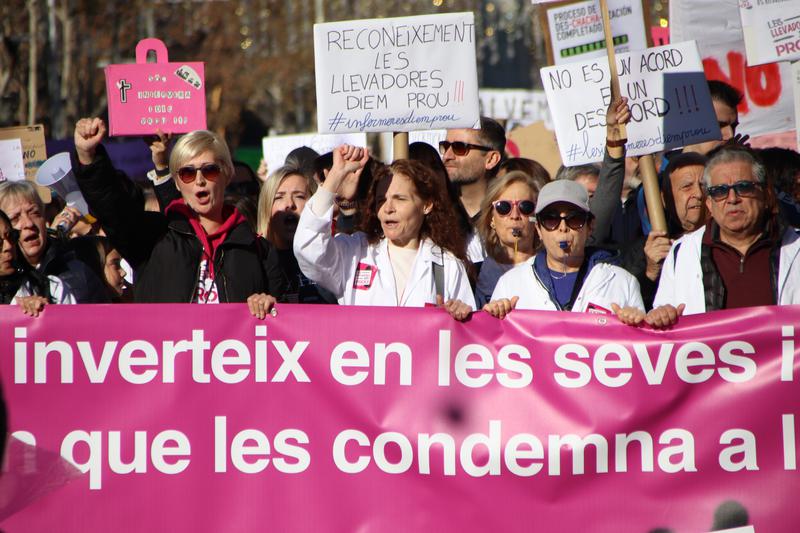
{"points": [[145, 97], [396, 74], [185, 420], [796, 83], [517, 107], [771, 30], [666, 90], [34, 151], [575, 30], [767, 89], [277, 147], [12, 167]]}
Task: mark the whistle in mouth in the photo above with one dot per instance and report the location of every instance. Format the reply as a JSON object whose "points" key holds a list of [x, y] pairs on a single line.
{"points": [[563, 245]]}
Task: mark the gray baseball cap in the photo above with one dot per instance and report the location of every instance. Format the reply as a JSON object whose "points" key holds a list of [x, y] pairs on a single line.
{"points": [[562, 191]]}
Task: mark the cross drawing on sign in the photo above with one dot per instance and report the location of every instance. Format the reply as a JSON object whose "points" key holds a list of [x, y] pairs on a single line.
{"points": [[123, 86]]}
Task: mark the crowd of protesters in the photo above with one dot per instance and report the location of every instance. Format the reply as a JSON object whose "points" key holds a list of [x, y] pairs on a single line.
{"points": [[465, 229]]}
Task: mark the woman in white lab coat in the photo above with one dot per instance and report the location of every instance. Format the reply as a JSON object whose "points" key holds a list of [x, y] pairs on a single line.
{"points": [[566, 275], [409, 252]]}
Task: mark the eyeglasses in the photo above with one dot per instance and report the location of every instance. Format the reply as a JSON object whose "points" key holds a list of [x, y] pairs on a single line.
{"points": [[575, 220], [504, 207], [460, 148], [210, 171], [743, 189]]}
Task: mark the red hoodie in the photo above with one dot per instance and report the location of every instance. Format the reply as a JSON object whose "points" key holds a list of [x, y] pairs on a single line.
{"points": [[211, 242]]}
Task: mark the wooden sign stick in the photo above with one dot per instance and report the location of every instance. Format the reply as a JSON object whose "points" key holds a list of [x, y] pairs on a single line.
{"points": [[400, 140], [647, 166]]}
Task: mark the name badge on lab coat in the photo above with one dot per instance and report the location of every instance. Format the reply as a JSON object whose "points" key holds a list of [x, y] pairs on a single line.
{"points": [[365, 274]]}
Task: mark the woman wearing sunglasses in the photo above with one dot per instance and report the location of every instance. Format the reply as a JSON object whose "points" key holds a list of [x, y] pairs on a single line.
{"points": [[199, 250], [409, 252], [21, 284], [506, 226], [566, 275]]}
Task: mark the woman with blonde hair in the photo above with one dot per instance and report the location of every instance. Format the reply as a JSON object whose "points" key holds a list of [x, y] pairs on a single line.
{"points": [[507, 228], [283, 197], [199, 250]]}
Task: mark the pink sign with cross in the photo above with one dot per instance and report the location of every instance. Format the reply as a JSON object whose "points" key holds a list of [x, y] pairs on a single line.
{"points": [[145, 97]]}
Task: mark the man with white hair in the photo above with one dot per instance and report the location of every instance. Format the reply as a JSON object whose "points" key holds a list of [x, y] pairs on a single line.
{"points": [[743, 257]]}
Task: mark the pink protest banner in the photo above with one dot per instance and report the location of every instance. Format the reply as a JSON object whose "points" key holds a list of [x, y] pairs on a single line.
{"points": [[145, 97], [187, 418]]}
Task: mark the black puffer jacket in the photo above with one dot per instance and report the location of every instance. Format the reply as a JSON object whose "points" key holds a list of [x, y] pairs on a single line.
{"points": [[164, 250]]}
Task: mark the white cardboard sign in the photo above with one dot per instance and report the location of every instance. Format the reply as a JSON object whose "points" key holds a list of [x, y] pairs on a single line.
{"points": [[518, 107], [771, 30], [576, 30], [666, 90], [768, 102], [396, 74], [277, 147], [12, 167], [796, 80]]}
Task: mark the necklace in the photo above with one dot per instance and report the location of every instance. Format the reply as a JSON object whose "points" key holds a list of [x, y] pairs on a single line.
{"points": [[562, 276]]}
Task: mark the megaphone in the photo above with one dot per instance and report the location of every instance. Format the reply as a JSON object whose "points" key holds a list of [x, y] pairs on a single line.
{"points": [[56, 173]]}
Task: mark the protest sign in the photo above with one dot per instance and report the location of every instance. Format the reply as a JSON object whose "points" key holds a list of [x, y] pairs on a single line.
{"points": [[396, 74], [145, 97], [33, 146], [517, 107], [796, 83], [667, 94], [771, 30], [767, 89], [34, 152], [535, 141], [388, 419], [574, 30], [277, 147], [12, 166]]}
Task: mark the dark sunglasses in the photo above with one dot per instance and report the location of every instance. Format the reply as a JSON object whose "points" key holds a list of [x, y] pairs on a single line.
{"points": [[575, 220], [504, 207], [460, 148], [744, 188], [210, 171]]}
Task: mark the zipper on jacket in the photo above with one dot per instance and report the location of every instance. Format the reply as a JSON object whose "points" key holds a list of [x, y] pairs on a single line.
{"points": [[219, 272], [741, 265]]}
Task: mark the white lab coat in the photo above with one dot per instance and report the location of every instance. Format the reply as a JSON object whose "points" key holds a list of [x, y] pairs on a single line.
{"points": [[338, 263], [681, 279], [59, 291], [603, 285]]}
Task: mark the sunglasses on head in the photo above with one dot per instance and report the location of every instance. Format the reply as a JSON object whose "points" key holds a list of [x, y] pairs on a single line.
{"points": [[504, 207], [460, 148], [744, 189], [210, 171], [551, 221]]}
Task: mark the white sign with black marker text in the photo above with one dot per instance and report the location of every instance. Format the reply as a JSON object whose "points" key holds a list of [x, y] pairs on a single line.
{"points": [[667, 93], [396, 74]]}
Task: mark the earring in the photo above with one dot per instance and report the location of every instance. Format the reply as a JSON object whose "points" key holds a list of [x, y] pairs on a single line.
{"points": [[491, 224]]}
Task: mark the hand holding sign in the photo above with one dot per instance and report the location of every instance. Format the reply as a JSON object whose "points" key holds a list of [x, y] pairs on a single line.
{"points": [[88, 134]]}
